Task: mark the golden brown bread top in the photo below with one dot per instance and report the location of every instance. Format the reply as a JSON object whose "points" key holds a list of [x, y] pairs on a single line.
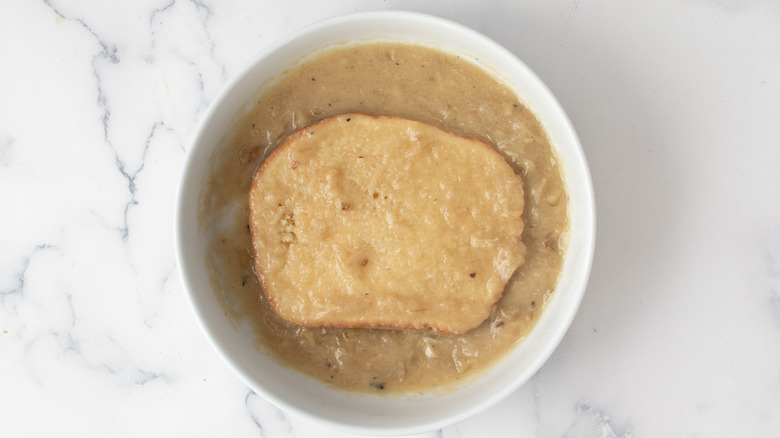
{"points": [[361, 221]]}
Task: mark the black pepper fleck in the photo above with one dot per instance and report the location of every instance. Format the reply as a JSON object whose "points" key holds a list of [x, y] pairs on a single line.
{"points": [[473, 274]]}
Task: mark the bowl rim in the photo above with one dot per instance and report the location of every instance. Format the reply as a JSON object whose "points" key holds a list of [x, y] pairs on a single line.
{"points": [[184, 227]]}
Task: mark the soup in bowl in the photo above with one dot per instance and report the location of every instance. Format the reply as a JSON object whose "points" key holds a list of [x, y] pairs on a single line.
{"points": [[368, 378]]}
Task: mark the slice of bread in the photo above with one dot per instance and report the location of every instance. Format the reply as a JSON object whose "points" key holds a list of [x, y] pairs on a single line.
{"points": [[362, 221]]}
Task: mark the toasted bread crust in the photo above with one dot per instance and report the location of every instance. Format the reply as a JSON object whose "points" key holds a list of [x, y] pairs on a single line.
{"points": [[362, 221]]}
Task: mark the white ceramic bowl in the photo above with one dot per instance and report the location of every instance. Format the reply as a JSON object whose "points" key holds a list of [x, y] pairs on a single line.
{"points": [[381, 414]]}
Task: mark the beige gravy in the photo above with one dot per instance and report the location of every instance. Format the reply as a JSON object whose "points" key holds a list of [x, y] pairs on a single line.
{"points": [[413, 82]]}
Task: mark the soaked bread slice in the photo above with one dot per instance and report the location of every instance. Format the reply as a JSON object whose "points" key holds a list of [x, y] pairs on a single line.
{"points": [[362, 221]]}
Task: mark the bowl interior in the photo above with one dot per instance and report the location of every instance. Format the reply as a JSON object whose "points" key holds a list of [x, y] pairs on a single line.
{"points": [[363, 413]]}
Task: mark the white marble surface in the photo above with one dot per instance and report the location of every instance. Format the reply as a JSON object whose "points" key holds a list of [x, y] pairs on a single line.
{"points": [[677, 104]]}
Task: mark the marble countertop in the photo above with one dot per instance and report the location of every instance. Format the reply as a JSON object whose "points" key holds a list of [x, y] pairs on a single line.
{"points": [[677, 104]]}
